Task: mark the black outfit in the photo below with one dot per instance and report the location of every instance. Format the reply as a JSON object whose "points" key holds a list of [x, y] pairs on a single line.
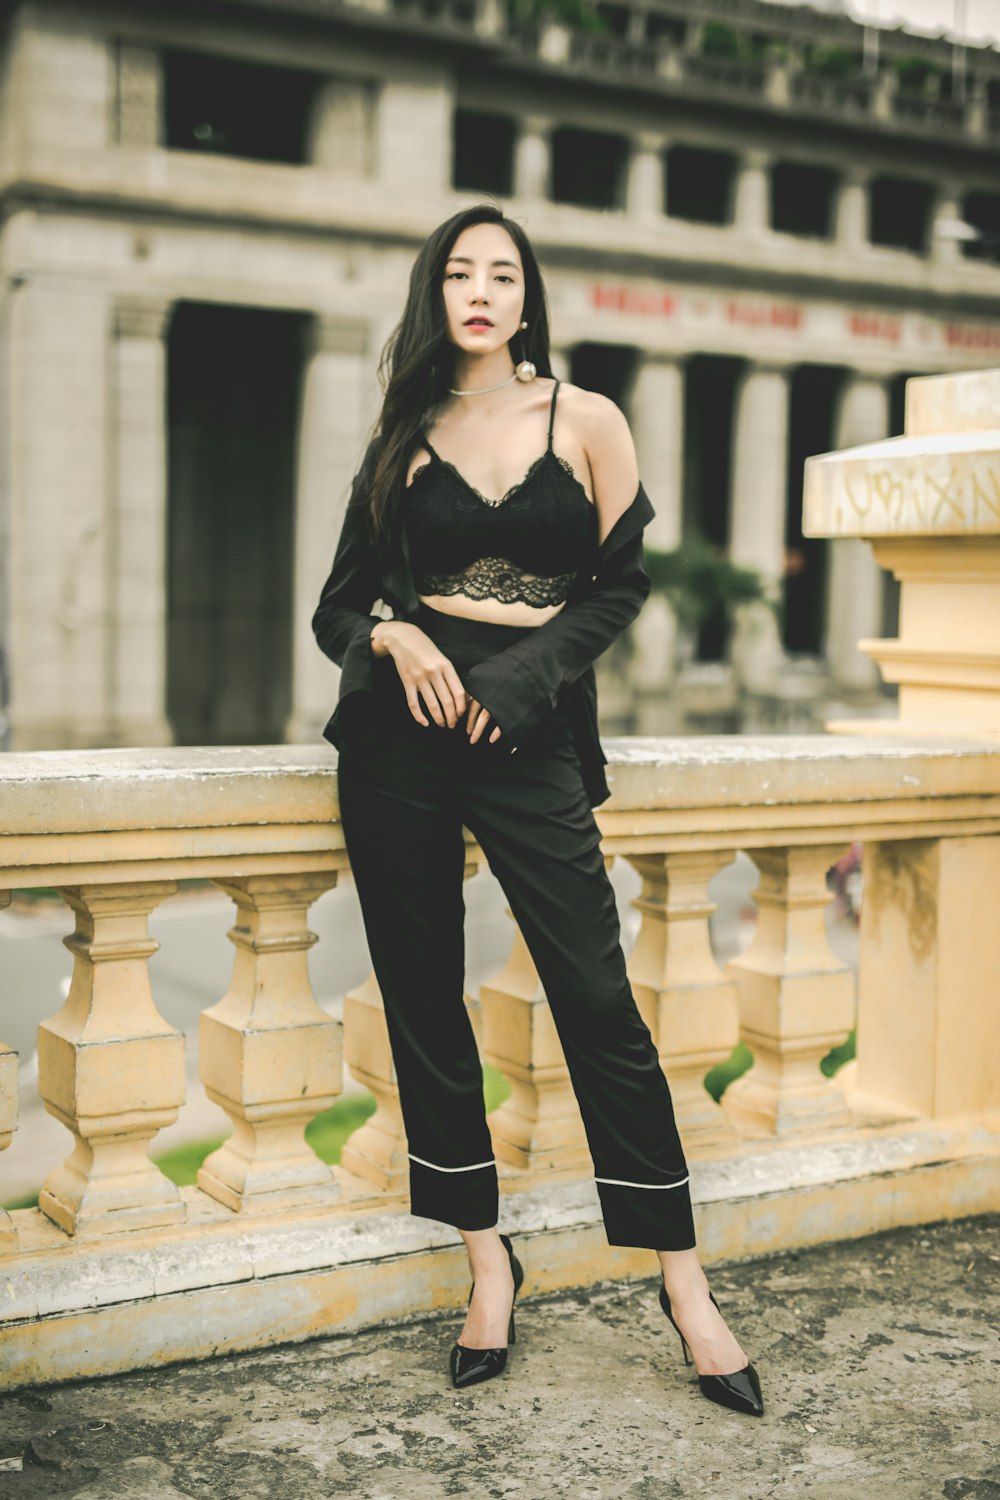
{"points": [[406, 791]]}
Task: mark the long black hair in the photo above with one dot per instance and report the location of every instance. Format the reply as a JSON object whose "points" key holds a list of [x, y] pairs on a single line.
{"points": [[415, 367]]}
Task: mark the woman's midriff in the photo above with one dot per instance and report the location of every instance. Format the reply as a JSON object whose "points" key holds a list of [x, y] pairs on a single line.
{"points": [[492, 611]]}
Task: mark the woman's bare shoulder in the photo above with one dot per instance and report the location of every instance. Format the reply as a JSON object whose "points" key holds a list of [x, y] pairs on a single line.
{"points": [[599, 423]]}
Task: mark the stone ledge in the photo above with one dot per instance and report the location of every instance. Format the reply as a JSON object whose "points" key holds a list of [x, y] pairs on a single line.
{"points": [[72, 1311]]}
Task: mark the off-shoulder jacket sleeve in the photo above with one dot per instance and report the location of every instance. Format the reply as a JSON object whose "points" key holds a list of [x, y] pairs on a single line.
{"points": [[342, 622], [520, 685]]}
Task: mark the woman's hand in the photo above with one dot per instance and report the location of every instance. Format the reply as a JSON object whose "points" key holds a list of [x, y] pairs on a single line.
{"points": [[477, 721], [424, 671]]}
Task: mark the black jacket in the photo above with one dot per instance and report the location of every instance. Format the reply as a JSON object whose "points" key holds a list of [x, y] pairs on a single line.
{"points": [[518, 686]]}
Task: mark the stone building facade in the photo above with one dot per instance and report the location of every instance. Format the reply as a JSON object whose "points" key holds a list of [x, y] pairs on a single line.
{"points": [[209, 216]]}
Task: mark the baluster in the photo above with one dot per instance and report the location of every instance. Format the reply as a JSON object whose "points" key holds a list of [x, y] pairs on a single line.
{"points": [[268, 1054], [376, 1152], [690, 1005], [8, 1114], [796, 998], [110, 1068], [539, 1125]]}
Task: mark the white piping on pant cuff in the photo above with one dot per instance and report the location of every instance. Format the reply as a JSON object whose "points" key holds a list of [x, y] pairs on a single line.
{"points": [[436, 1168], [617, 1182]]}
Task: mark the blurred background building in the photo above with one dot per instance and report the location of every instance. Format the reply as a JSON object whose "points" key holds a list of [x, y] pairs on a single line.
{"points": [[755, 221]]}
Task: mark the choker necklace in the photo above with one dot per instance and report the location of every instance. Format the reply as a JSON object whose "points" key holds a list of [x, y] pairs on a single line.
{"points": [[483, 390]]}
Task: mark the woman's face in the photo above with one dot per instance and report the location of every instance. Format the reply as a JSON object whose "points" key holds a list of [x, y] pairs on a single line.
{"points": [[483, 279]]}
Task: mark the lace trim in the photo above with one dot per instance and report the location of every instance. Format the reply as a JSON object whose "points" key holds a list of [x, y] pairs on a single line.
{"points": [[497, 578], [507, 494]]}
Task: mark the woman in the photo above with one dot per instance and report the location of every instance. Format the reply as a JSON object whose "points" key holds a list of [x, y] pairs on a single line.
{"points": [[509, 567]]}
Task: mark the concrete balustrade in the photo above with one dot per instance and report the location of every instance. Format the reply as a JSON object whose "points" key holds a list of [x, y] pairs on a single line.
{"points": [[687, 1001], [110, 1068], [796, 998], [117, 1268], [269, 1056]]}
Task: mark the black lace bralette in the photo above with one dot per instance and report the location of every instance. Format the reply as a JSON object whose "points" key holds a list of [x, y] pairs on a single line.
{"points": [[526, 547]]}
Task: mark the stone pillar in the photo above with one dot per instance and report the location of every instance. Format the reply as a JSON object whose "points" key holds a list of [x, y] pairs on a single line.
{"points": [[759, 499], [377, 1151], [676, 980], [796, 999], [139, 602], [342, 128], [752, 205], [851, 231], [944, 250], [928, 1039], [645, 196], [269, 1056], [139, 95], [531, 157], [656, 410], [57, 452], [928, 504], [854, 600], [413, 123], [111, 1069], [335, 408], [8, 1115]]}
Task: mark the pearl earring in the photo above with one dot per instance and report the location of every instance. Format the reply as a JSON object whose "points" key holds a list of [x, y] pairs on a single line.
{"points": [[525, 370]]}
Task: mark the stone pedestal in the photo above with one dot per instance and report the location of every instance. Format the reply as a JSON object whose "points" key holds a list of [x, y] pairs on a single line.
{"points": [[929, 504]]}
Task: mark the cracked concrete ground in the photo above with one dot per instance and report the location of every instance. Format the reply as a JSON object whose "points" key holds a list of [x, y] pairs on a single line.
{"points": [[879, 1359]]}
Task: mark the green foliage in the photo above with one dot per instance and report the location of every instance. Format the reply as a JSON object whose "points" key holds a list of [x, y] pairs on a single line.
{"points": [[832, 62], [700, 582], [579, 14], [718, 1079], [720, 40], [915, 73]]}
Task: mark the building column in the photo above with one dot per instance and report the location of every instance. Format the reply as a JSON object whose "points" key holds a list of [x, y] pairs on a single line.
{"points": [[138, 543], [657, 418], [335, 410], [752, 205], [342, 128], [758, 501], [412, 127], [851, 233], [945, 251], [139, 95], [54, 455], [854, 600], [531, 157], [645, 195]]}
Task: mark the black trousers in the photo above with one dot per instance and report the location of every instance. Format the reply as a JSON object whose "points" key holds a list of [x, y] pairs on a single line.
{"points": [[402, 807]]}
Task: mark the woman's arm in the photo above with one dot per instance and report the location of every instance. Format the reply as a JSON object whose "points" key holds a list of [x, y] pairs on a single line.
{"points": [[520, 685]]}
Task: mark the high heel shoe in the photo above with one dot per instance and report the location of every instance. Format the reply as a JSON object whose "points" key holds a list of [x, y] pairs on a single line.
{"points": [[740, 1391], [469, 1366]]}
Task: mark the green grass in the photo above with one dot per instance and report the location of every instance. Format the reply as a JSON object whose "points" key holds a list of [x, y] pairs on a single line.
{"points": [[327, 1133]]}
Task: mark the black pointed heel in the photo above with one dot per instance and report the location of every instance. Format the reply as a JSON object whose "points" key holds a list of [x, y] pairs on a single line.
{"points": [[470, 1366], [740, 1391]]}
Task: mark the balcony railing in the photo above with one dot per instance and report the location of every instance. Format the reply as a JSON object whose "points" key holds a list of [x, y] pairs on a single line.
{"points": [[117, 1267]]}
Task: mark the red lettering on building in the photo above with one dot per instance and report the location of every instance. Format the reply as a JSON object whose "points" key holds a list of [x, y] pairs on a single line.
{"points": [[764, 314], [874, 326], [624, 299], [971, 336]]}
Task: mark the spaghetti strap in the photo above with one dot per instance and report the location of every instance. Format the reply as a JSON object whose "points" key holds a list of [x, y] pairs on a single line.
{"points": [[552, 411], [423, 438]]}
